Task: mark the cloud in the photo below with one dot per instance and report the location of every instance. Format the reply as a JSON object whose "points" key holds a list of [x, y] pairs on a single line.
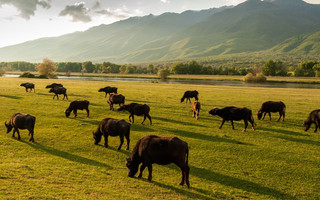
{"points": [[26, 7], [119, 12], [165, 1], [78, 12], [96, 5]]}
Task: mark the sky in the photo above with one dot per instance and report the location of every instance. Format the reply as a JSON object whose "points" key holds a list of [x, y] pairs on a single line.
{"points": [[24, 20]]}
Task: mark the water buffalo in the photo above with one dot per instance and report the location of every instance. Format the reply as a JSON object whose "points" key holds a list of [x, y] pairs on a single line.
{"points": [[314, 118], [77, 105], [59, 90], [137, 109], [116, 99], [108, 90], [54, 85], [160, 150], [272, 106], [21, 121], [28, 86], [232, 113], [196, 109], [112, 127], [190, 94]]}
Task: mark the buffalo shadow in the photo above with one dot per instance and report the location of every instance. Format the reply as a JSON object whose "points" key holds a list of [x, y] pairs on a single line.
{"points": [[303, 141], [66, 155], [137, 101], [178, 122], [203, 137], [292, 133], [10, 97], [238, 183]]}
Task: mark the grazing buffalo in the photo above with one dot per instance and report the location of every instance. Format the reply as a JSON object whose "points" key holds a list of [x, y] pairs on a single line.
{"points": [[108, 90], [160, 150], [272, 106], [116, 99], [59, 90], [77, 105], [314, 118], [137, 109], [112, 127], [232, 113], [196, 109], [190, 94], [53, 85], [28, 86], [21, 121]]}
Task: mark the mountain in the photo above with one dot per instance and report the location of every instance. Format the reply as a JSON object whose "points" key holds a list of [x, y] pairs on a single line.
{"points": [[251, 26]]}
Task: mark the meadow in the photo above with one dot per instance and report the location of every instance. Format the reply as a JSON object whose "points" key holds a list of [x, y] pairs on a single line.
{"points": [[277, 161]]}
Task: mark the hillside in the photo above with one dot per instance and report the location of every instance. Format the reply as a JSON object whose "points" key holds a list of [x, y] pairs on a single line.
{"points": [[251, 26]]}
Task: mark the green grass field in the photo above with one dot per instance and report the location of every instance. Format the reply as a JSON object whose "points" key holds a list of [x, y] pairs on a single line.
{"points": [[277, 161]]}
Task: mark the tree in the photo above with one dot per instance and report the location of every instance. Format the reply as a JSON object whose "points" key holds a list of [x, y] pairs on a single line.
{"points": [[316, 69], [305, 69], [88, 66], [163, 74], [46, 68], [2, 72]]}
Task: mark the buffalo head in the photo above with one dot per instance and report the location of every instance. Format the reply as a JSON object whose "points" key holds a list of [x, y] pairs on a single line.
{"points": [[259, 114], [67, 112], [9, 127], [96, 137], [306, 125], [213, 111], [133, 168]]}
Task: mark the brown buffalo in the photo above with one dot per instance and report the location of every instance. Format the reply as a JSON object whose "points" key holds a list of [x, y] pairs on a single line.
{"points": [[108, 90], [272, 106], [77, 105], [21, 121], [137, 109], [59, 90], [314, 118], [190, 94], [28, 86], [160, 150], [116, 99], [196, 109], [112, 127]]}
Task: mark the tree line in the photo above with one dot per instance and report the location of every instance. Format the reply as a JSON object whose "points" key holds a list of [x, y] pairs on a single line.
{"points": [[270, 68]]}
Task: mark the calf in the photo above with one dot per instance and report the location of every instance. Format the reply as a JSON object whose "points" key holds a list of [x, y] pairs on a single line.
{"points": [[108, 90], [190, 94], [160, 150], [116, 99], [272, 106], [196, 109], [77, 105], [314, 118], [112, 127], [232, 113], [54, 85], [137, 109], [21, 121], [28, 86], [59, 90]]}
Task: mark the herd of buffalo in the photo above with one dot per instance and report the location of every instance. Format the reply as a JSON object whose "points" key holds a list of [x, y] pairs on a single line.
{"points": [[150, 148]]}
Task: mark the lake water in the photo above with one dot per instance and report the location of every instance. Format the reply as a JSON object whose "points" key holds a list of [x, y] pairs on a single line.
{"points": [[184, 81]]}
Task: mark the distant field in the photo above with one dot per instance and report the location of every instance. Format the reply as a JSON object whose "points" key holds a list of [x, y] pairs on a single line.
{"points": [[277, 161]]}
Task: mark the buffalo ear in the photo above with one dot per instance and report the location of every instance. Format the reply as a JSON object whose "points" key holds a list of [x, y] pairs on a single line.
{"points": [[92, 132], [5, 123]]}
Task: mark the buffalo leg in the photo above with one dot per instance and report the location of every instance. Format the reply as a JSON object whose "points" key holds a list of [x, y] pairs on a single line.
{"points": [[144, 118], [280, 114], [105, 140], [283, 116], [222, 123], [245, 125], [269, 115], [264, 114], [13, 133], [66, 96], [87, 112], [143, 166], [121, 142], [232, 124], [149, 117], [132, 118], [31, 138], [19, 138], [128, 140], [129, 118], [150, 172], [316, 128]]}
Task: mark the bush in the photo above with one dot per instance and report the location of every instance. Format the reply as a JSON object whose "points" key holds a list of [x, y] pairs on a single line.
{"points": [[163, 74], [27, 75], [2, 72], [256, 79]]}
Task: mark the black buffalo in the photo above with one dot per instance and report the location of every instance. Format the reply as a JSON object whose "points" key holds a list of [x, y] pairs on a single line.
{"points": [[112, 127], [54, 85], [21, 121], [116, 99], [59, 90], [190, 94], [314, 118], [28, 86], [160, 150], [272, 106], [137, 109], [108, 90], [77, 105], [232, 113]]}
